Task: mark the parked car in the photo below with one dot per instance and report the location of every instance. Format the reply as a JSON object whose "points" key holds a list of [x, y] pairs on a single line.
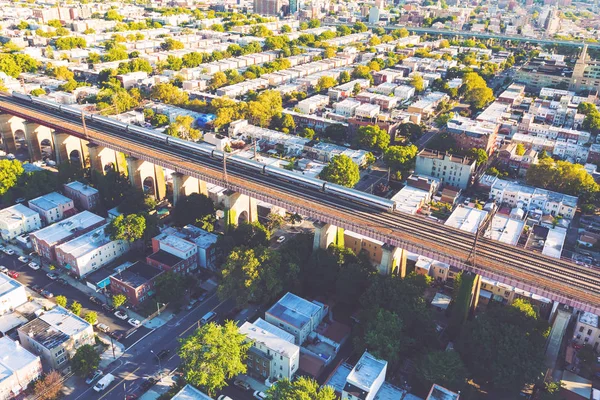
{"points": [[134, 322], [23, 259], [9, 252], [34, 266], [52, 276], [37, 288], [280, 239], [3, 269], [148, 383], [115, 335], [108, 307], [13, 274], [97, 374], [241, 384], [47, 294], [62, 282], [103, 327], [121, 315], [259, 395]]}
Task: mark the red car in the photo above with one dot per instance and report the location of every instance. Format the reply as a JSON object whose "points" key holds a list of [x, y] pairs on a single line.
{"points": [[13, 274]]}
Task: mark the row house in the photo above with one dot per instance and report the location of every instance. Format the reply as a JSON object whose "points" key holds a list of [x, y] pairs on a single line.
{"points": [[471, 134]]}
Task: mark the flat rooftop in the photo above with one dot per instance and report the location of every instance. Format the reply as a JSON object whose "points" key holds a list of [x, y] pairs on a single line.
{"points": [[137, 274], [8, 285], [190, 393], [86, 243], [64, 321], [16, 213], [365, 372], [505, 229], [294, 310], [50, 201], [466, 219], [176, 243], [165, 258], [262, 324], [82, 188], [589, 319], [271, 341], [13, 358], [62, 230], [438, 392]]}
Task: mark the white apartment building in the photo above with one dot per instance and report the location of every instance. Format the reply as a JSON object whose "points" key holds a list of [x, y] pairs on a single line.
{"points": [[365, 379], [587, 330], [12, 294], [90, 251], [273, 346], [55, 336], [404, 92], [18, 368], [51, 207], [296, 315], [313, 104], [346, 107], [18, 219], [530, 198], [450, 170]]}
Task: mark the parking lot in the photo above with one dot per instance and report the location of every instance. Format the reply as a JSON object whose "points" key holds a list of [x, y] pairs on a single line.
{"points": [[29, 278]]}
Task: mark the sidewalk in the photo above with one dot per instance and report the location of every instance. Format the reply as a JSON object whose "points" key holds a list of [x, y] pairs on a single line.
{"points": [[254, 384], [107, 357]]}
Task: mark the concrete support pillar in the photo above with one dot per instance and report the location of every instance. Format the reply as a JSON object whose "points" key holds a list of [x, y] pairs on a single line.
{"points": [[60, 149], [239, 207], [65, 144], [184, 185], [326, 234], [393, 261], [555, 305], [475, 293], [8, 125], [140, 170], [100, 157], [34, 134]]}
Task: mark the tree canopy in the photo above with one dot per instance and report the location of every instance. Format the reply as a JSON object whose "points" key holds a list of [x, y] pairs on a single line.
{"points": [[400, 158], [563, 177], [171, 286], [342, 171], [10, 171], [444, 368], [212, 355], [196, 209], [372, 137], [475, 89], [505, 345], [85, 361], [129, 228], [302, 388]]}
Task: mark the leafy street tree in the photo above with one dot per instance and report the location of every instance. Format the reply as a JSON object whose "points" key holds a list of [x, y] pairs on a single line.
{"points": [[274, 221], [75, 308], [295, 218], [10, 171], [171, 44], [91, 317], [563, 177], [520, 149], [335, 132], [61, 301], [129, 228], [412, 132], [118, 300], [442, 367], [302, 388], [193, 209], [383, 337], [183, 128], [325, 82], [212, 355], [400, 158], [218, 80], [170, 287], [372, 137], [417, 82], [475, 90], [250, 235], [505, 346], [49, 387], [341, 170], [135, 200], [85, 361], [442, 119], [479, 155]]}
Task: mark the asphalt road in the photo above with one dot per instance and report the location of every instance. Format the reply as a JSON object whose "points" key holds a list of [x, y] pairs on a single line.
{"points": [[138, 363]]}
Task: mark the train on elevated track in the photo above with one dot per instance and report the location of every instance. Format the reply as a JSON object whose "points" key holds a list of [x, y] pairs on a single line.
{"points": [[209, 151]]}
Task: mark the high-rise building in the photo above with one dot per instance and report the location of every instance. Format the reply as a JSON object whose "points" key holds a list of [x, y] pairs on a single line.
{"points": [[586, 73], [267, 7]]}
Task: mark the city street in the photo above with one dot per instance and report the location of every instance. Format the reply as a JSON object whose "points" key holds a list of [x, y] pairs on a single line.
{"points": [[138, 362]]}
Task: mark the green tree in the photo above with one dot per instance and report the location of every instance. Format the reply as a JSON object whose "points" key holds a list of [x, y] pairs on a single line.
{"points": [[193, 209], [168, 93], [444, 368], [118, 300], [520, 149], [61, 301], [505, 346], [475, 90], [113, 15], [307, 133], [383, 337], [359, 27], [372, 137], [75, 308], [325, 82], [344, 77], [563, 177], [91, 317], [400, 158], [129, 228], [218, 79], [479, 155], [170, 287], [212, 355], [341, 170], [10, 171], [417, 82], [85, 361], [183, 128], [442, 119], [335, 132], [38, 92], [314, 23], [552, 391], [251, 235], [171, 44], [302, 388]]}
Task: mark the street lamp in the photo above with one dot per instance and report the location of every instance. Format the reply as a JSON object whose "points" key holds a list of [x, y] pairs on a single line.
{"points": [[158, 306], [159, 366]]}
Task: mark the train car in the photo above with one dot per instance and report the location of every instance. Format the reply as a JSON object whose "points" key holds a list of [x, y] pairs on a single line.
{"points": [[45, 103], [246, 162], [294, 177], [70, 110], [361, 197], [200, 148], [22, 96]]}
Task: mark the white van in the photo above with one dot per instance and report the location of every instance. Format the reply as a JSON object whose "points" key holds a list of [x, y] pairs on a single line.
{"points": [[209, 316], [104, 382]]}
